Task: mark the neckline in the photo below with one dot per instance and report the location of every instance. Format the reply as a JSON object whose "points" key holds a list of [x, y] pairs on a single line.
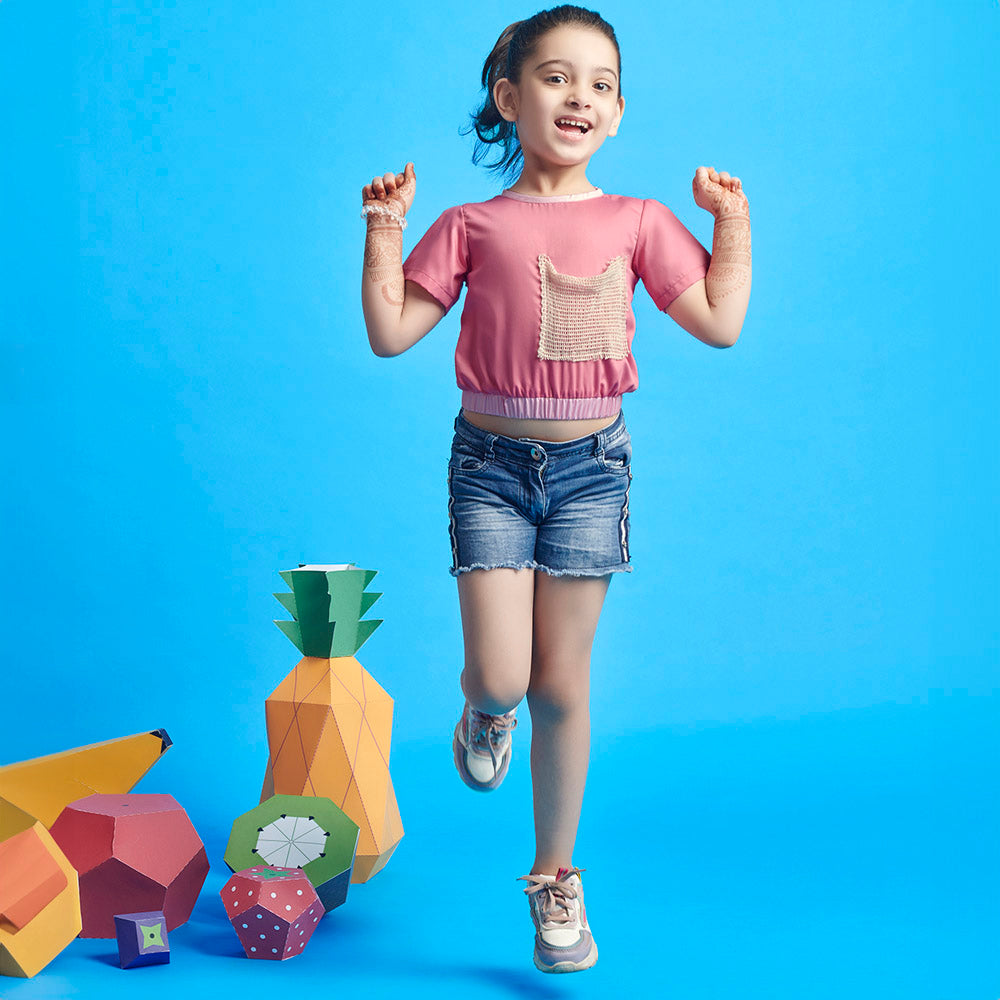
{"points": [[543, 198]]}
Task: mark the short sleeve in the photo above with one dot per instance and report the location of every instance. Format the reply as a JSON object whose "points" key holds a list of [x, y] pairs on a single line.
{"points": [[440, 261], [668, 257]]}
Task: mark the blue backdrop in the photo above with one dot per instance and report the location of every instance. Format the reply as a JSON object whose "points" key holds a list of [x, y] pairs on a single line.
{"points": [[793, 787]]}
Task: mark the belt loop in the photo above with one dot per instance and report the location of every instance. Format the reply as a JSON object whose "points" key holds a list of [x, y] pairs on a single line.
{"points": [[600, 437]]}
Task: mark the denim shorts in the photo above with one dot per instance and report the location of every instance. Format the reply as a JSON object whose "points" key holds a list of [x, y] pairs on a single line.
{"points": [[559, 507]]}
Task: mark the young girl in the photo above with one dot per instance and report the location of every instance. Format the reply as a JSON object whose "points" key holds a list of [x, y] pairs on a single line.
{"points": [[540, 471]]}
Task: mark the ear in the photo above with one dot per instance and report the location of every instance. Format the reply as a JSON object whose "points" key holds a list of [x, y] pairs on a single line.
{"points": [[618, 117], [505, 98]]}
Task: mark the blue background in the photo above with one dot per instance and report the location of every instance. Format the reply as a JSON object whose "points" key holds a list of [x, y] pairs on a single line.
{"points": [[793, 788]]}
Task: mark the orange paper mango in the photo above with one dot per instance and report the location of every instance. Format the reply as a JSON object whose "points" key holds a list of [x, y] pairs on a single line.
{"points": [[39, 902]]}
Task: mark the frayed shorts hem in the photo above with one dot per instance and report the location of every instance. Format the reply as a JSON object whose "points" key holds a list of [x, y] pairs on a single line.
{"points": [[531, 564]]}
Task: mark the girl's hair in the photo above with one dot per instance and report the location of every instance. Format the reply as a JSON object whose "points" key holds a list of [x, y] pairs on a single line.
{"points": [[513, 47]]}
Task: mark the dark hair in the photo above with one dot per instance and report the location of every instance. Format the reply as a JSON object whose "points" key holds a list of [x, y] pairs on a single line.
{"points": [[513, 47]]}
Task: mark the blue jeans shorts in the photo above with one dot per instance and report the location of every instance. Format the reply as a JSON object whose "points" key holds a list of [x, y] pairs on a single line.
{"points": [[559, 507]]}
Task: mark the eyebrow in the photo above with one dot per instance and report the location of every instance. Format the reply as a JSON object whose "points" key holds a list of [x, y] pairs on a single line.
{"points": [[566, 62]]}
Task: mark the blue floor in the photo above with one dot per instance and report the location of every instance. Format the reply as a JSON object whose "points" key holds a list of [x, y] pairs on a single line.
{"points": [[851, 855]]}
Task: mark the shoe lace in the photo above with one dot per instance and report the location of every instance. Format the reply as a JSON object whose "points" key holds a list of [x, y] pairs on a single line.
{"points": [[551, 897], [487, 732]]}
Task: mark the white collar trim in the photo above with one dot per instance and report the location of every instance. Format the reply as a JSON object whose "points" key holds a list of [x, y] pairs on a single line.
{"points": [[596, 193]]}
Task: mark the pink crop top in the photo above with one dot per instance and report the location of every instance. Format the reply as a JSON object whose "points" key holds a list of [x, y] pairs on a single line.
{"points": [[548, 324]]}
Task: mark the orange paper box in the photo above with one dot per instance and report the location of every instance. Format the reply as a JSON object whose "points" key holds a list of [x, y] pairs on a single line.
{"points": [[39, 902]]}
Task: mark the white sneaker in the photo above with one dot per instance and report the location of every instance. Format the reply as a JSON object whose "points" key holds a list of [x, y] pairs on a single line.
{"points": [[563, 942], [482, 747]]}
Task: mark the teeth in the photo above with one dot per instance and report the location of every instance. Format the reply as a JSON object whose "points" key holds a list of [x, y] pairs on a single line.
{"points": [[572, 121]]}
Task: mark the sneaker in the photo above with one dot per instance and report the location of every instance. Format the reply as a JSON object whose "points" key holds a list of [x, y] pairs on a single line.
{"points": [[563, 942], [482, 747]]}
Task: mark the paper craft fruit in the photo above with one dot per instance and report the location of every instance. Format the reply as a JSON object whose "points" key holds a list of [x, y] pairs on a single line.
{"points": [[39, 902], [43, 786], [329, 723], [134, 853], [298, 831], [273, 910], [142, 939], [13, 820]]}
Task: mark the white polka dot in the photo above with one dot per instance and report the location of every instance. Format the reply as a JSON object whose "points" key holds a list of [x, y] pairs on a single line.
{"points": [[245, 926], [276, 927], [299, 892], [233, 889], [236, 903], [274, 951], [287, 907], [315, 919], [260, 916], [274, 895], [262, 937], [302, 944], [300, 932], [252, 948], [250, 892]]}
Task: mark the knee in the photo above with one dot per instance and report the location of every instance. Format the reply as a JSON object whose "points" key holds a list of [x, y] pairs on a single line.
{"points": [[493, 689], [557, 695]]}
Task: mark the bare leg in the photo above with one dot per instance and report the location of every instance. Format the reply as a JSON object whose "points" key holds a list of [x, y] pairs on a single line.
{"points": [[566, 610], [496, 621]]}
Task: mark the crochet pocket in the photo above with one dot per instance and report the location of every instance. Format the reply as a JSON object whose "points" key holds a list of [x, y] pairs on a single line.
{"points": [[583, 319]]}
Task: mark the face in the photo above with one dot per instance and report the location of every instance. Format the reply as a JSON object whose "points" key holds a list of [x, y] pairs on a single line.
{"points": [[566, 102]]}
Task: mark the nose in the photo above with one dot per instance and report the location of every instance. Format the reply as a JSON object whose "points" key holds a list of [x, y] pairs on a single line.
{"points": [[575, 101]]}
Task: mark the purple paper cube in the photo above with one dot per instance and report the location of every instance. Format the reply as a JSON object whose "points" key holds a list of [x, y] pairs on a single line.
{"points": [[142, 939]]}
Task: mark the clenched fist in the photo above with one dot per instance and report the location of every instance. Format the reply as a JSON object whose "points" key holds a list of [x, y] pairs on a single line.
{"points": [[393, 191], [718, 193]]}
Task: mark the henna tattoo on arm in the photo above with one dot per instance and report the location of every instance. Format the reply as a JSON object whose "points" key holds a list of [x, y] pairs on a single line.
{"points": [[727, 283], [729, 269], [384, 259]]}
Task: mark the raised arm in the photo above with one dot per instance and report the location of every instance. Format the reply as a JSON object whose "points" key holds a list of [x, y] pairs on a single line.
{"points": [[713, 309], [397, 312]]}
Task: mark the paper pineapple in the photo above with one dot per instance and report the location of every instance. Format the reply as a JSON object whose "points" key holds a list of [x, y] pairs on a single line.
{"points": [[329, 723]]}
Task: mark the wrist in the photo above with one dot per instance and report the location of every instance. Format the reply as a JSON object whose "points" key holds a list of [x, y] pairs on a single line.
{"points": [[375, 213], [731, 209]]}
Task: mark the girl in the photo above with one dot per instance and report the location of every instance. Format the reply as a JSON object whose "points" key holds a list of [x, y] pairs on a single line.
{"points": [[540, 471]]}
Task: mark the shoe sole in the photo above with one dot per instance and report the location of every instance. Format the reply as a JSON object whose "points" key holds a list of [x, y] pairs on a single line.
{"points": [[458, 751], [587, 963]]}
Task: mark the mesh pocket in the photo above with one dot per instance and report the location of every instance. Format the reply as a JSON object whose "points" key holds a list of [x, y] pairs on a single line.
{"points": [[583, 319]]}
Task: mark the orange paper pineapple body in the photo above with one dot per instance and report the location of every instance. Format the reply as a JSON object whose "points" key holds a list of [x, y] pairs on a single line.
{"points": [[329, 722]]}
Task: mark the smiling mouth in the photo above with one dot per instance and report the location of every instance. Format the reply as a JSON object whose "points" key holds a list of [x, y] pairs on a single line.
{"points": [[575, 126]]}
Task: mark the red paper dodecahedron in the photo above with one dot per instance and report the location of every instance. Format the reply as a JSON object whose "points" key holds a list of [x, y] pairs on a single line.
{"points": [[134, 853], [273, 910]]}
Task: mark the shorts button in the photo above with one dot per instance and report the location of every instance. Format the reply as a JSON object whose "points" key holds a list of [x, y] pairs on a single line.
{"points": [[536, 454]]}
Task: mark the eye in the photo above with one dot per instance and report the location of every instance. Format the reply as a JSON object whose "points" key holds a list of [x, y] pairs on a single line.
{"points": [[556, 77], [603, 87]]}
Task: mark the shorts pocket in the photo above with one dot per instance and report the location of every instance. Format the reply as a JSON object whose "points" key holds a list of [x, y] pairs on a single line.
{"points": [[617, 458], [583, 318], [467, 457]]}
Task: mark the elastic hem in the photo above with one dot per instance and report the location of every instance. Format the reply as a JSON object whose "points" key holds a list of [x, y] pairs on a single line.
{"points": [[540, 407], [531, 564]]}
